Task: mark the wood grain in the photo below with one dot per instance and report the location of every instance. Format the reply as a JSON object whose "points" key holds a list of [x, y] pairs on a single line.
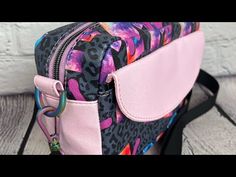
{"points": [[227, 95], [210, 134], [15, 116], [37, 143]]}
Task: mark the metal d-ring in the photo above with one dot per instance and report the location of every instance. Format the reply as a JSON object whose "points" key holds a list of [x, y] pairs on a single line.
{"points": [[60, 108]]}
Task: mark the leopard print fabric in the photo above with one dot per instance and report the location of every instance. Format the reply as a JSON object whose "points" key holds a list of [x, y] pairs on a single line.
{"points": [[100, 50], [108, 47], [123, 131], [122, 44], [45, 45], [86, 82]]}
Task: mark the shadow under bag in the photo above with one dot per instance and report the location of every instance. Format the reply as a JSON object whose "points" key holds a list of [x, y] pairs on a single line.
{"points": [[119, 88]]}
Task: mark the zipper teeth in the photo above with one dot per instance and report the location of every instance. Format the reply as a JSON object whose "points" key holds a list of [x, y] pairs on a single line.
{"points": [[61, 51], [59, 55]]}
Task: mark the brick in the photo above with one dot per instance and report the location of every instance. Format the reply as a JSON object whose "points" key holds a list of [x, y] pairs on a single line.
{"points": [[26, 35], [5, 38], [16, 74], [220, 53], [17, 46]]}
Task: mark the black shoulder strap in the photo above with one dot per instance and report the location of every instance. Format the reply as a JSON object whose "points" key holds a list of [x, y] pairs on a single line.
{"points": [[172, 142]]}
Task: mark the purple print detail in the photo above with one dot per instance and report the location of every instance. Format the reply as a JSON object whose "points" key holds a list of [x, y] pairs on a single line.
{"points": [[116, 45], [131, 41], [108, 66], [157, 24], [167, 34], [106, 123], [119, 115], [74, 60], [74, 89], [136, 145]]}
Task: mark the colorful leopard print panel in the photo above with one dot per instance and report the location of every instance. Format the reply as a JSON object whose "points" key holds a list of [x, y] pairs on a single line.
{"points": [[104, 48], [120, 135], [46, 45], [108, 47]]}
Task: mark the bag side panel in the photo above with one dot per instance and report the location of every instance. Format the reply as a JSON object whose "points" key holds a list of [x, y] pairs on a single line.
{"points": [[78, 127], [45, 45]]}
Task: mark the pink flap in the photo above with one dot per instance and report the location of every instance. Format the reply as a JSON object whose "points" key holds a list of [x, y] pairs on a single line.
{"points": [[148, 89], [48, 86]]}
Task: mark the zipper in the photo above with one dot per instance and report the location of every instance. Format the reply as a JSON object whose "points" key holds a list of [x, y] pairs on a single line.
{"points": [[56, 65]]}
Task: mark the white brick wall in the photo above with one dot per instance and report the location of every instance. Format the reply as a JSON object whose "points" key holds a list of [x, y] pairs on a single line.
{"points": [[220, 49], [17, 66]]}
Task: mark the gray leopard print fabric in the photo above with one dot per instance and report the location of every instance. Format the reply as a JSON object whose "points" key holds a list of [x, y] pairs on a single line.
{"points": [[109, 46], [91, 61], [119, 131], [45, 45]]}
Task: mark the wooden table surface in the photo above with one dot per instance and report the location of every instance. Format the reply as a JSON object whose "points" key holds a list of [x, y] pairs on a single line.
{"points": [[212, 133]]}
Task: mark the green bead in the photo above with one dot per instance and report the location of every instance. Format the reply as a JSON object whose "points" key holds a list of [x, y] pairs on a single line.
{"points": [[55, 145]]}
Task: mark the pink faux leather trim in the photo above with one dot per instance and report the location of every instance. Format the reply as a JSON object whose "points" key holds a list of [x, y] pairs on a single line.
{"points": [[48, 86], [79, 127], [148, 89]]}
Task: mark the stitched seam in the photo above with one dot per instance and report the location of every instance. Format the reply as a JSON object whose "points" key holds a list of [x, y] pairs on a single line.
{"points": [[72, 48], [104, 55], [99, 129]]}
